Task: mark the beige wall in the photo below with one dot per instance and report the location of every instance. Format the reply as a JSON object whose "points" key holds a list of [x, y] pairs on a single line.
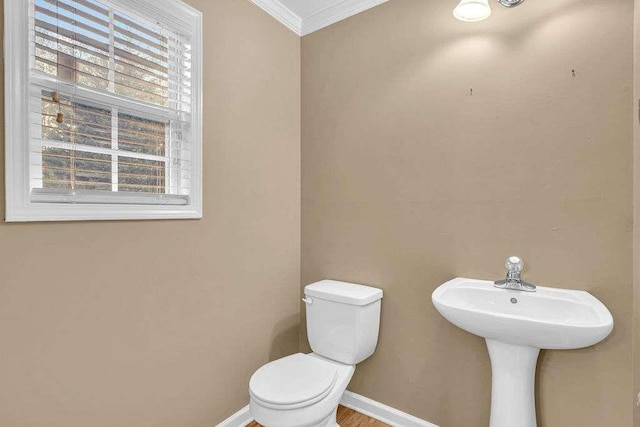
{"points": [[409, 181], [133, 324], [636, 216]]}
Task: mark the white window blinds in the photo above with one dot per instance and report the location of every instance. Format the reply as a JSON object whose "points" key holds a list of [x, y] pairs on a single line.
{"points": [[112, 104]]}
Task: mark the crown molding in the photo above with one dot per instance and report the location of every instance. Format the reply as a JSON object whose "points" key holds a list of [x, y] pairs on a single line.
{"points": [[335, 13], [328, 16], [281, 13]]}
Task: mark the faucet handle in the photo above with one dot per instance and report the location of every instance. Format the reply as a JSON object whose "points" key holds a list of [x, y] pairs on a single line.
{"points": [[514, 264]]}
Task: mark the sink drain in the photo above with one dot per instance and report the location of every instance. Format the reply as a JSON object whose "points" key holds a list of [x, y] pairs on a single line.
{"points": [[514, 300]]}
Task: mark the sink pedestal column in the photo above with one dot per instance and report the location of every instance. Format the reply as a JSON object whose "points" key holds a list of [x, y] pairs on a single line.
{"points": [[513, 371]]}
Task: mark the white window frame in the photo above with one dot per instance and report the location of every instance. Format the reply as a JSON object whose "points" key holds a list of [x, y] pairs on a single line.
{"points": [[17, 57]]}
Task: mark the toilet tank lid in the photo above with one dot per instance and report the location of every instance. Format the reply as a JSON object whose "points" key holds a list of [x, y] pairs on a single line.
{"points": [[346, 293]]}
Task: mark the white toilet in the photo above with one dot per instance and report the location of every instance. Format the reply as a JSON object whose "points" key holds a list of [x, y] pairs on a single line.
{"points": [[303, 390]]}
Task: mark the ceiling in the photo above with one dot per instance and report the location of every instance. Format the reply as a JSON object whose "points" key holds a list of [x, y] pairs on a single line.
{"points": [[306, 16]]}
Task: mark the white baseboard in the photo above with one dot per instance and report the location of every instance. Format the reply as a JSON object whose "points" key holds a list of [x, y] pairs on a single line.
{"points": [[364, 405], [241, 418], [381, 412]]}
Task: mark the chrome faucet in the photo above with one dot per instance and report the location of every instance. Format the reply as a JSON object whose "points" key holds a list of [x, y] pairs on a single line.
{"points": [[514, 281]]}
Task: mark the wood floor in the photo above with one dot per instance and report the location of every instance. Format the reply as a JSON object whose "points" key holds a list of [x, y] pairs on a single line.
{"points": [[348, 418]]}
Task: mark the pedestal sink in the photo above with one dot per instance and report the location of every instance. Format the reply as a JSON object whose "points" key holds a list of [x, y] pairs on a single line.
{"points": [[516, 325]]}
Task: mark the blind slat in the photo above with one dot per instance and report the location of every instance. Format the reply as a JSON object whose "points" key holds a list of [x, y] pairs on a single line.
{"points": [[143, 130], [122, 21], [140, 51], [86, 180], [96, 7], [100, 129], [83, 44], [97, 138], [103, 150], [48, 82], [98, 18], [47, 36], [160, 176], [122, 34], [161, 90], [155, 97], [109, 173], [88, 54], [103, 113], [71, 35], [123, 163], [97, 197], [60, 18]]}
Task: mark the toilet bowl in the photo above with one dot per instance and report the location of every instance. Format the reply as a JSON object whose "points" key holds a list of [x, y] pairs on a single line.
{"points": [[301, 390], [304, 390]]}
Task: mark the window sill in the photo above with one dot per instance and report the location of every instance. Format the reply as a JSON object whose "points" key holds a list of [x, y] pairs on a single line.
{"points": [[39, 212]]}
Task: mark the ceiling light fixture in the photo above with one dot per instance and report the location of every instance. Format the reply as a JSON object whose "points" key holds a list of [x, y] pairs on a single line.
{"points": [[478, 10], [472, 10]]}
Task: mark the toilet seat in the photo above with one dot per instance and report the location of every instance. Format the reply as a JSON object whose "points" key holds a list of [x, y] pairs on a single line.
{"points": [[293, 382]]}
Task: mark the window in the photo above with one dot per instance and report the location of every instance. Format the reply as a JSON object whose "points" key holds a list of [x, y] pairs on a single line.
{"points": [[103, 109]]}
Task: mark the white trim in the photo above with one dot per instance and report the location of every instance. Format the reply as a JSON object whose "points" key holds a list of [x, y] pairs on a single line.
{"points": [[16, 62], [361, 404], [281, 13], [335, 13], [381, 412], [241, 418], [308, 24]]}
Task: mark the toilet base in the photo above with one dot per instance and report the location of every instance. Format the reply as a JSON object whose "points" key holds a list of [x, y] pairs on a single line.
{"points": [[331, 420]]}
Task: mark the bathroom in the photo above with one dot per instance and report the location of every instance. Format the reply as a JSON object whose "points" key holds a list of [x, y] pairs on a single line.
{"points": [[396, 148]]}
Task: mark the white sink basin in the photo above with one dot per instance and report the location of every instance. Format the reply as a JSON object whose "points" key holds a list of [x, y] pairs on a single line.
{"points": [[549, 318], [516, 325]]}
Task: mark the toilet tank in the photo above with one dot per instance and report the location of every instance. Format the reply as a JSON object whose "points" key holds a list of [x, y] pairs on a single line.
{"points": [[343, 320]]}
